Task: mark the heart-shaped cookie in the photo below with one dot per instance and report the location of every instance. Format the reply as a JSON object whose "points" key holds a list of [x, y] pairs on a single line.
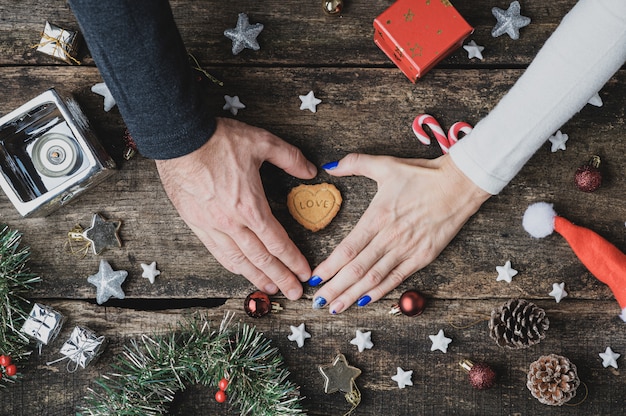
{"points": [[314, 206]]}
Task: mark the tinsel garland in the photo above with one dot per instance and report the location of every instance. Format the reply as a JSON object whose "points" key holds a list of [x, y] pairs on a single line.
{"points": [[152, 369], [15, 281]]}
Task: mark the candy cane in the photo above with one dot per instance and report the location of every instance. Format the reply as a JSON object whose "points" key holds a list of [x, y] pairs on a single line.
{"points": [[427, 119], [458, 127]]}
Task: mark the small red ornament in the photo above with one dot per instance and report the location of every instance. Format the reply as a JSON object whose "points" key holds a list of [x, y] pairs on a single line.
{"points": [[258, 304], [11, 370], [223, 384], [480, 375], [411, 303], [588, 177], [5, 360], [220, 396]]}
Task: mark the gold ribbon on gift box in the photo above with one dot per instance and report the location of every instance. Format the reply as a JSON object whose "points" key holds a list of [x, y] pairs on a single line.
{"points": [[58, 43]]}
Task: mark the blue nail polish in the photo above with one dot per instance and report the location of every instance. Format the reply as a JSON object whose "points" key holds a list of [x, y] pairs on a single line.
{"points": [[363, 300], [330, 165], [319, 302], [314, 281]]}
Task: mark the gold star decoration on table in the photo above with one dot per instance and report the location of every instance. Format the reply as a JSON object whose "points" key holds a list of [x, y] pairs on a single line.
{"points": [[103, 234], [340, 376]]}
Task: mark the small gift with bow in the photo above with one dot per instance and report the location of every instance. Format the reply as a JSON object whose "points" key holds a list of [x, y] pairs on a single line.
{"points": [[43, 324], [59, 43], [81, 348]]}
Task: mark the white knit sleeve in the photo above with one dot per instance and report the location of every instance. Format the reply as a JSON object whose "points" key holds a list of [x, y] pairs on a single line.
{"points": [[583, 53]]}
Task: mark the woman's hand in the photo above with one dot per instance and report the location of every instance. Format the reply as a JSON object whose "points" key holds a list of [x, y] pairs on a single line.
{"points": [[419, 207]]}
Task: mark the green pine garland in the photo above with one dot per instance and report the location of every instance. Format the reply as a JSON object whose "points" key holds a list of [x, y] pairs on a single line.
{"points": [[152, 369], [15, 281]]}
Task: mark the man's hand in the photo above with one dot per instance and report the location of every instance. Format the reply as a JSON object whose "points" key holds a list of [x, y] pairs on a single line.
{"points": [[218, 192]]}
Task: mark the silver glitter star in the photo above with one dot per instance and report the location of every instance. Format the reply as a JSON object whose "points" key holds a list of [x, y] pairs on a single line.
{"points": [[108, 282], [103, 234], [244, 34], [509, 21]]}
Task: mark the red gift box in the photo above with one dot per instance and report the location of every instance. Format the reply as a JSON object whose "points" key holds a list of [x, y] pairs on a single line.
{"points": [[416, 34]]}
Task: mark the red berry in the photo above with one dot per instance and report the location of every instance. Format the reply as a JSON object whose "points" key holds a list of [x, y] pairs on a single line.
{"points": [[223, 384], [11, 370], [5, 360], [220, 396]]}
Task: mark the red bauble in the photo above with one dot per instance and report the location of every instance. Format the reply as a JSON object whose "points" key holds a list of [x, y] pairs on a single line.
{"points": [[588, 177], [5, 360], [257, 304], [223, 384], [11, 370], [220, 396], [480, 375], [412, 303]]}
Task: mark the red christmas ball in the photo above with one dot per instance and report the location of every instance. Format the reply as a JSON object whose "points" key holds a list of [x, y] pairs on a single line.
{"points": [[223, 384], [480, 375], [412, 303], [257, 304], [588, 177], [11, 370], [220, 396], [5, 360]]}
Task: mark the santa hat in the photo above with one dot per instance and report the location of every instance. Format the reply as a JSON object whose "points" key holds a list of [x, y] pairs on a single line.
{"points": [[605, 261]]}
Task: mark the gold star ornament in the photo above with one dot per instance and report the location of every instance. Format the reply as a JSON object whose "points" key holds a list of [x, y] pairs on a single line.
{"points": [[339, 376]]}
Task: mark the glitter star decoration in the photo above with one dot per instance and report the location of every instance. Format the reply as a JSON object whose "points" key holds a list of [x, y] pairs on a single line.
{"points": [[403, 378], [108, 282], [150, 271], [298, 334], [339, 376], [103, 234], [244, 34], [102, 89], [558, 141], [505, 272], [474, 50], [558, 291], [609, 358], [363, 340], [233, 104], [509, 21], [309, 102], [440, 342]]}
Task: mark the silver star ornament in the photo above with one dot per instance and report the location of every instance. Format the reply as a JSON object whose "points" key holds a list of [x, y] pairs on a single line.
{"points": [[244, 34], [103, 234], [108, 282], [509, 21]]}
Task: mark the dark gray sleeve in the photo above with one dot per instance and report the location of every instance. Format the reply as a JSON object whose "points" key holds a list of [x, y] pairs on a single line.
{"points": [[141, 57]]}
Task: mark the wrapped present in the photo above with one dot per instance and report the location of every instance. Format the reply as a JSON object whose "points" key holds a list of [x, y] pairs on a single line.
{"points": [[43, 324], [81, 348], [59, 43], [417, 34]]}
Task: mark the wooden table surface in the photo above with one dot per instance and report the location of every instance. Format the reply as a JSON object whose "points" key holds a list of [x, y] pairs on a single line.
{"points": [[367, 106]]}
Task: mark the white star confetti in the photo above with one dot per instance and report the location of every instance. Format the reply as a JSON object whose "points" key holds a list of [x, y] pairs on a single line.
{"points": [[474, 50], [558, 141], [102, 89], [309, 102], [623, 315], [509, 21], [403, 378], [363, 340], [150, 271], [595, 100], [298, 334], [233, 104], [558, 291], [505, 272], [244, 34], [108, 282], [609, 358], [440, 342]]}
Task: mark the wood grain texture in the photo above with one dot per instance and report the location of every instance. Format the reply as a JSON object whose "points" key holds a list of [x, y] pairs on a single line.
{"points": [[367, 106]]}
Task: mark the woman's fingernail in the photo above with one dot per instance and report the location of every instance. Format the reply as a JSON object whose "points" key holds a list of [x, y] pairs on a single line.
{"points": [[330, 165], [271, 288], [336, 308], [314, 281], [363, 300], [319, 302]]}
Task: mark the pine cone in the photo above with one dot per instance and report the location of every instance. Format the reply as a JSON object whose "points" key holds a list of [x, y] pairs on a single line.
{"points": [[518, 324], [553, 380]]}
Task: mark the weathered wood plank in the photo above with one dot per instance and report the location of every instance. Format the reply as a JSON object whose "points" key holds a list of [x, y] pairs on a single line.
{"points": [[439, 385]]}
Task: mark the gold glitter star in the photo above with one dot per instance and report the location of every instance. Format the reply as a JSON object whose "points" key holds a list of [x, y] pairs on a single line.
{"points": [[408, 16], [339, 376]]}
